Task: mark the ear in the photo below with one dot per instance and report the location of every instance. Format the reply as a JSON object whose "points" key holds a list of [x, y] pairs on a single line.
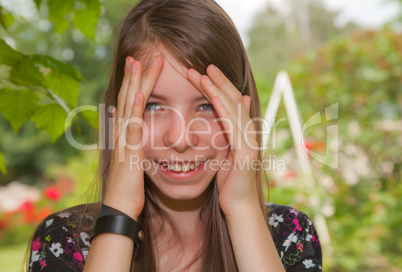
{"points": [[247, 103]]}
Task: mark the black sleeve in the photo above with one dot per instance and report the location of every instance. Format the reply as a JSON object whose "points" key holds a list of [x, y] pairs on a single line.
{"points": [[296, 239], [58, 245]]}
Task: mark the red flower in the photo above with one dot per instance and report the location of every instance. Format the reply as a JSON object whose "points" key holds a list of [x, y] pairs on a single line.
{"points": [[308, 144], [27, 206], [289, 175], [52, 193], [28, 209]]}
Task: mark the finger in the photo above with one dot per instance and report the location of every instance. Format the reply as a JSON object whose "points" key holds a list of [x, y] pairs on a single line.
{"points": [[134, 126], [223, 83], [123, 89], [229, 124], [134, 86], [212, 90], [237, 111], [151, 76], [247, 103], [194, 77], [114, 129]]}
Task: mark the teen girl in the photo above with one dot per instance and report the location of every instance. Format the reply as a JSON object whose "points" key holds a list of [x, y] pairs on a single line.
{"points": [[176, 194]]}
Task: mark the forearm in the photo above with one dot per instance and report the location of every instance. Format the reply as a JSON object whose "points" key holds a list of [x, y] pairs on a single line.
{"points": [[110, 252], [252, 243]]}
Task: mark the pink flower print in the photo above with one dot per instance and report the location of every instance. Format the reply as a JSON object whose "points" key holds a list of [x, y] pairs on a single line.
{"points": [[78, 256], [42, 264], [70, 240], [296, 222], [36, 245], [300, 247], [292, 222], [294, 212]]}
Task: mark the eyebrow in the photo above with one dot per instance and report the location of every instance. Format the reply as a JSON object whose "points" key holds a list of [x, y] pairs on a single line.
{"points": [[162, 97]]}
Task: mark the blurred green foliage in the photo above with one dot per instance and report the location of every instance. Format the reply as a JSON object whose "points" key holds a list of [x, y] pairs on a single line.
{"points": [[363, 74], [38, 87], [27, 154], [278, 36]]}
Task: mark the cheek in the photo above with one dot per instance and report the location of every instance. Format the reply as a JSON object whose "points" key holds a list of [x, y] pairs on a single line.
{"points": [[218, 138], [148, 132]]}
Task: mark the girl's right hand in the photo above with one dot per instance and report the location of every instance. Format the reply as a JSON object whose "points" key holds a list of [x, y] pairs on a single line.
{"points": [[125, 185]]}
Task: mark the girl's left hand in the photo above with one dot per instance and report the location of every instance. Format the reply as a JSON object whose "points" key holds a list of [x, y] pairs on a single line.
{"points": [[236, 178]]}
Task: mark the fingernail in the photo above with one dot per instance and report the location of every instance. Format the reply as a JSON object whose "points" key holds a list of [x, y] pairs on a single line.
{"points": [[133, 68], [127, 64], [197, 75], [219, 101], [154, 62], [209, 81], [215, 71], [137, 100]]}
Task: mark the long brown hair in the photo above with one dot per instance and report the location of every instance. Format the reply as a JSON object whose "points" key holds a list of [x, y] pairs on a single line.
{"points": [[197, 33]]}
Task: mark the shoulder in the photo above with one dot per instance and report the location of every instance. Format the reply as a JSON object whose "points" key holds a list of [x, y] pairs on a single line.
{"points": [[295, 238], [61, 240]]}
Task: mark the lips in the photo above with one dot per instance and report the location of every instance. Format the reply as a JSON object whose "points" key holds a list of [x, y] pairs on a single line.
{"points": [[173, 169]]}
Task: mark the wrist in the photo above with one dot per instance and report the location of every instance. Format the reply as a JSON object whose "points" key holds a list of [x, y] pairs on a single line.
{"points": [[125, 207], [243, 210]]}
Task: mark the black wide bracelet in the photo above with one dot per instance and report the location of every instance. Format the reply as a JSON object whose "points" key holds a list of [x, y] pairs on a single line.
{"points": [[119, 224]]}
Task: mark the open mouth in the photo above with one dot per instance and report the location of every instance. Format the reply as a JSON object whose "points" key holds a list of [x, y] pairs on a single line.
{"points": [[184, 167], [181, 170]]}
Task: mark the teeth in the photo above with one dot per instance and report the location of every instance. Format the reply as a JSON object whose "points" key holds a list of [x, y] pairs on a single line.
{"points": [[182, 168]]}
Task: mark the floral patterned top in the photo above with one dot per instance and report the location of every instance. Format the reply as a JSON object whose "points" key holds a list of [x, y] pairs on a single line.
{"points": [[60, 245]]}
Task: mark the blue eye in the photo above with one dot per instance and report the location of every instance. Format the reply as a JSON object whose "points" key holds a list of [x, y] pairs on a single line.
{"points": [[207, 106], [151, 106]]}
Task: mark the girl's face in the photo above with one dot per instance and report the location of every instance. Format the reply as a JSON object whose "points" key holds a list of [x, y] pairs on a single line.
{"points": [[180, 125]]}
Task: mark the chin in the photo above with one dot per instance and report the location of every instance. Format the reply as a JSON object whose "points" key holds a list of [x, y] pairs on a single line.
{"points": [[184, 194], [176, 194]]}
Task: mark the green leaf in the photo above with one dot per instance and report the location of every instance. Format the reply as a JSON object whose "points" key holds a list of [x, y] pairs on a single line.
{"points": [[64, 86], [2, 166], [51, 118], [25, 73], [4, 72], [17, 106], [58, 11], [8, 56], [64, 80], [86, 17], [6, 18], [92, 118], [56, 65]]}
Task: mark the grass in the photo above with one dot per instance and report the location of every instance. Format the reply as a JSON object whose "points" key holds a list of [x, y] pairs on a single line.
{"points": [[12, 257]]}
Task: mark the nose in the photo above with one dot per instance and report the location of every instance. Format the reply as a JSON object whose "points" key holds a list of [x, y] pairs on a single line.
{"points": [[179, 134]]}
